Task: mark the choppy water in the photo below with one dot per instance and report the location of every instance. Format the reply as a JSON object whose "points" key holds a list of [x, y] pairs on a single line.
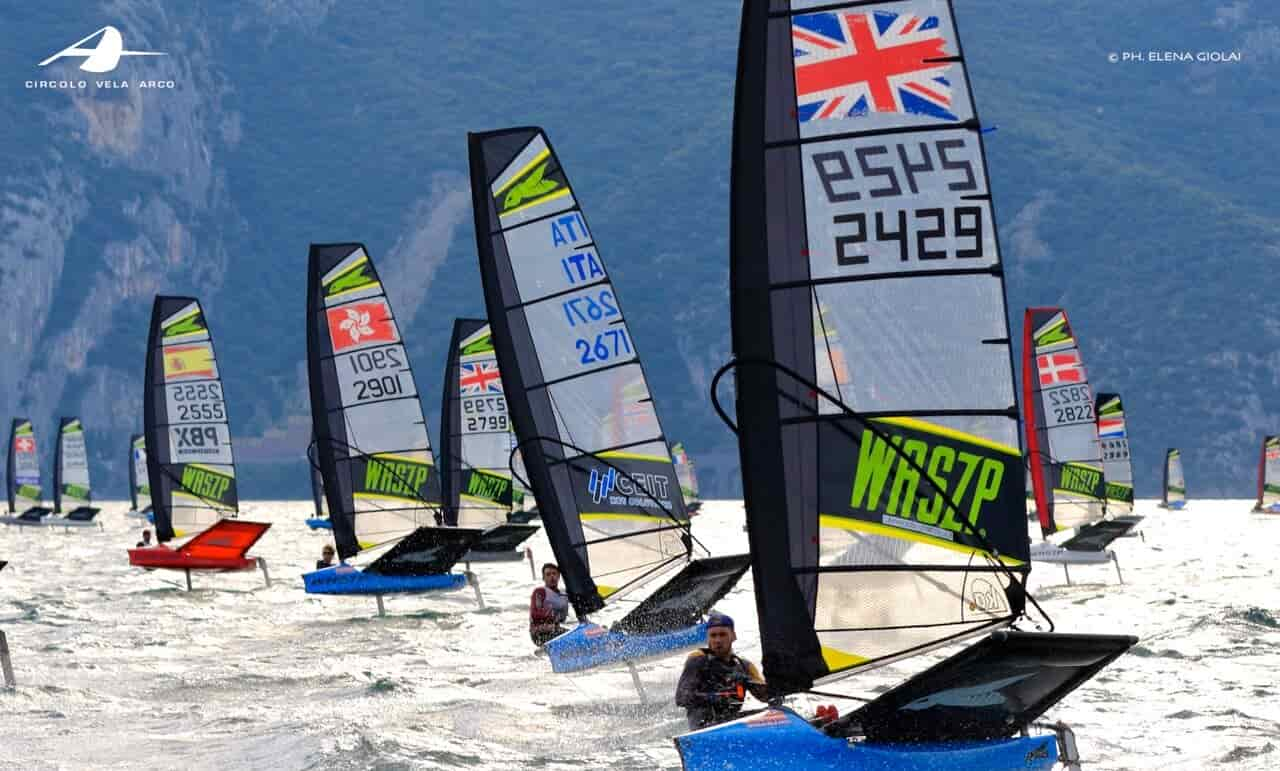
{"points": [[119, 668]]}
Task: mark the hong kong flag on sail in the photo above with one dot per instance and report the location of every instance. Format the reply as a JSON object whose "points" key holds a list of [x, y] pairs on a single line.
{"points": [[1058, 368], [360, 323]]}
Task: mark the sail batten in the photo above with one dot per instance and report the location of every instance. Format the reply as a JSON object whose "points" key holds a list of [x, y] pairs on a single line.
{"points": [[576, 392], [866, 280], [190, 464]]}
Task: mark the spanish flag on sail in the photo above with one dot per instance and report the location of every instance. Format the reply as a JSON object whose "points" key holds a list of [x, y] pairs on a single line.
{"points": [[186, 362]]}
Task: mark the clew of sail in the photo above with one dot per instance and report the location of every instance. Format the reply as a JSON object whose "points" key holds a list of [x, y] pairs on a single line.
{"points": [[71, 489], [1174, 492], [24, 486], [865, 275], [371, 440], [1269, 476], [1117, 467], [139, 489], [190, 464], [475, 431], [592, 444], [1062, 430]]}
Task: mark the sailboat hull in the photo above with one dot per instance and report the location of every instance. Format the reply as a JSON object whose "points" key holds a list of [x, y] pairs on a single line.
{"points": [[590, 645], [164, 558], [780, 739], [1049, 552], [37, 516], [345, 579], [319, 523]]}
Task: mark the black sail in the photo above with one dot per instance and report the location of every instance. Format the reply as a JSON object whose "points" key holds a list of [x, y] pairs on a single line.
{"points": [[865, 275]]}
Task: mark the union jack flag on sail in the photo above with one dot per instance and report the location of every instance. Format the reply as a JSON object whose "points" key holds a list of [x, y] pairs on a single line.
{"points": [[850, 63], [479, 378]]}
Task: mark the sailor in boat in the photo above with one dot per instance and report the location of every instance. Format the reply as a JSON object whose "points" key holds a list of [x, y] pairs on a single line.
{"points": [[145, 543], [715, 680], [548, 607], [326, 557]]}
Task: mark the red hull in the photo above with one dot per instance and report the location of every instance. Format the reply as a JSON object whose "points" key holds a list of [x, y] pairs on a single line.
{"points": [[168, 559]]}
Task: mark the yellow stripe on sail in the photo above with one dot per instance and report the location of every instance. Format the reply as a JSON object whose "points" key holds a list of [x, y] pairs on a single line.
{"points": [[635, 456], [634, 517], [417, 502], [561, 193], [872, 528], [951, 433], [546, 152], [605, 591]]}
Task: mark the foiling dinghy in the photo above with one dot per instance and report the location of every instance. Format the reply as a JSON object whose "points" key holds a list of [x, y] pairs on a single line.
{"points": [[190, 465], [26, 504], [476, 439], [371, 443], [1173, 493], [1063, 447], [139, 488], [881, 469], [320, 521], [1268, 477], [72, 491], [588, 430]]}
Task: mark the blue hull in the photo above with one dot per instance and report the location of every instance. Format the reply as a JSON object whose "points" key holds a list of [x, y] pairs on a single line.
{"points": [[345, 579], [318, 523], [591, 645], [780, 739]]}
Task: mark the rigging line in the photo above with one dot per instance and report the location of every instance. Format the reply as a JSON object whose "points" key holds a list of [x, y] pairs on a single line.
{"points": [[585, 453], [940, 490]]}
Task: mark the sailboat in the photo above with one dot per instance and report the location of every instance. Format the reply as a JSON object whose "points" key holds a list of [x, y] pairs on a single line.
{"points": [[72, 492], [1173, 494], [1269, 477], [139, 490], [688, 479], [592, 444], [26, 505], [1064, 447], [321, 519], [475, 447], [191, 469], [881, 468], [371, 441], [1117, 466]]}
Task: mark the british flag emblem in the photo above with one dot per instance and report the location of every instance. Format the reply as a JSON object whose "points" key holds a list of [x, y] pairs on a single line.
{"points": [[1056, 368], [851, 63], [479, 378]]}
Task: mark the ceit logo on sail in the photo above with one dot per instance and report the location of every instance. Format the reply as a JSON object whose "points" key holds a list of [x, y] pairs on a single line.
{"points": [[102, 57]]}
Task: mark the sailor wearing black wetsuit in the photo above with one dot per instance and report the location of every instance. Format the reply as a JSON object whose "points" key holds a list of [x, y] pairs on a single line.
{"points": [[548, 607], [715, 681], [326, 560]]}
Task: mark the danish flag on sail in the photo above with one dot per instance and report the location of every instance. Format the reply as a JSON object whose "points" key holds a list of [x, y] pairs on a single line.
{"points": [[1056, 368]]}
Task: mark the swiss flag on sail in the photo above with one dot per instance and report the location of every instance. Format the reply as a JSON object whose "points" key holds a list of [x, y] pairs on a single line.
{"points": [[1060, 368], [361, 323]]}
